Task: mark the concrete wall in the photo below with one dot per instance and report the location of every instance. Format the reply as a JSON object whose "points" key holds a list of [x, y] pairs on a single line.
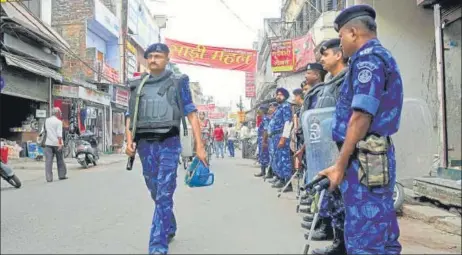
{"points": [[452, 53], [408, 32]]}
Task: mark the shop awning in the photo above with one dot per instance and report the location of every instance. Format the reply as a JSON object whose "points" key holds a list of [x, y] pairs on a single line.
{"points": [[18, 13], [21, 62]]}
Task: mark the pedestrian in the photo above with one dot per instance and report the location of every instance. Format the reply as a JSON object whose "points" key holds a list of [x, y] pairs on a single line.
{"points": [[280, 131], [262, 141], [367, 115], [219, 140], [244, 134], [157, 138], [53, 127], [231, 139]]}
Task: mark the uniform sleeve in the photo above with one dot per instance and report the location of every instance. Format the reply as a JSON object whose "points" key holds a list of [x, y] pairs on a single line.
{"points": [[368, 79], [287, 114], [188, 105]]}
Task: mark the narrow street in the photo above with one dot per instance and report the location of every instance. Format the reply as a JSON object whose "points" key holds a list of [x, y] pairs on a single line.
{"points": [[107, 209]]}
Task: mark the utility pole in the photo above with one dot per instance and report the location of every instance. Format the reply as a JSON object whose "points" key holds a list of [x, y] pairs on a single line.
{"points": [[240, 105], [124, 15]]}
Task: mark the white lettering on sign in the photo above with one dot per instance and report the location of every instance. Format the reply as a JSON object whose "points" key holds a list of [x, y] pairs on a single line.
{"points": [[315, 133]]}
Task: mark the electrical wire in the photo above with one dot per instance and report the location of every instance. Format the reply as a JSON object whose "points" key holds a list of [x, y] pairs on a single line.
{"points": [[237, 16], [66, 49]]}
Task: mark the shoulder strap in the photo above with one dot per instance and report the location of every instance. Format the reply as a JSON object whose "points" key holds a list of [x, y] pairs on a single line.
{"points": [[176, 82], [137, 102]]}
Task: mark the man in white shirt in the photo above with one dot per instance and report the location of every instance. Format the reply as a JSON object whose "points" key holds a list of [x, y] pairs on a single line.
{"points": [[54, 146], [244, 135], [231, 138]]}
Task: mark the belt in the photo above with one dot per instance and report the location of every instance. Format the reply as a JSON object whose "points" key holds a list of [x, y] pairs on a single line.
{"points": [[275, 133]]}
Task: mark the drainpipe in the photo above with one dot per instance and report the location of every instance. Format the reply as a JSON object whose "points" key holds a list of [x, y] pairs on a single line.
{"points": [[440, 81], [50, 96]]}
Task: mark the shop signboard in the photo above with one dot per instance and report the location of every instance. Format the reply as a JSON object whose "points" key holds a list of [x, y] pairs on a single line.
{"points": [[282, 56], [212, 56], [250, 91], [110, 74], [94, 96], [121, 96], [205, 107], [216, 115], [303, 51], [65, 91]]}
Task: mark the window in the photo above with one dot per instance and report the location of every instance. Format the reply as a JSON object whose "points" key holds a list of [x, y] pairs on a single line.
{"points": [[34, 7]]}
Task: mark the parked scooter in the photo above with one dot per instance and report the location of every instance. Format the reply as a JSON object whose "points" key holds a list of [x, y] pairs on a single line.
{"points": [[87, 149], [8, 175]]}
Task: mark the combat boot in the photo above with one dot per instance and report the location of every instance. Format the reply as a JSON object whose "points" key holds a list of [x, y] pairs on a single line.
{"points": [[279, 184], [336, 248], [274, 180], [269, 173], [305, 210], [308, 218], [262, 172], [307, 201], [325, 231]]}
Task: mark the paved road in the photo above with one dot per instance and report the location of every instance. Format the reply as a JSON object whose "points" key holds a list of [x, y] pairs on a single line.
{"points": [[108, 210]]}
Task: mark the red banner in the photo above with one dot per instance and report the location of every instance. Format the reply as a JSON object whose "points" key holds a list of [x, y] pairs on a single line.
{"points": [[205, 107], [216, 115], [282, 56], [213, 57], [250, 90], [303, 51]]}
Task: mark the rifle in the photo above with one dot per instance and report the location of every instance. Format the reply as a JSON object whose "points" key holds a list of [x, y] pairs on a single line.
{"points": [[135, 118]]}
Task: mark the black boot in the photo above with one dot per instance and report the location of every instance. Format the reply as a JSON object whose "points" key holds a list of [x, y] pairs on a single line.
{"points": [[262, 172], [269, 173], [279, 184], [308, 218], [307, 201], [325, 231], [305, 210], [336, 248], [274, 180]]}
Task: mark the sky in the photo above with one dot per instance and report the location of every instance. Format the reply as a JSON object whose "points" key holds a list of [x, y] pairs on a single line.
{"points": [[209, 22]]}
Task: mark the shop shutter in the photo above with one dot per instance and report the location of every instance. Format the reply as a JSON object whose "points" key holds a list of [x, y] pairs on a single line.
{"points": [[23, 84], [450, 11]]}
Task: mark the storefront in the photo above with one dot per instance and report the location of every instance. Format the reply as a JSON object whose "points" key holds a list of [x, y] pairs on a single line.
{"points": [[119, 105], [88, 107]]}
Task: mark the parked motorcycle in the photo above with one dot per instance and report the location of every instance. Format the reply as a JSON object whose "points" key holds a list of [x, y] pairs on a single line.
{"points": [[8, 175], [87, 149]]}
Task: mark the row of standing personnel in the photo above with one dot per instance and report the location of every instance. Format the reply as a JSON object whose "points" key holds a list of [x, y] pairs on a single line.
{"points": [[364, 85]]}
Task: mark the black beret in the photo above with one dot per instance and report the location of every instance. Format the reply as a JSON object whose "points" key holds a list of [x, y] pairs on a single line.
{"points": [[263, 107], [297, 92], [273, 104], [156, 47], [314, 66], [332, 43], [351, 13]]}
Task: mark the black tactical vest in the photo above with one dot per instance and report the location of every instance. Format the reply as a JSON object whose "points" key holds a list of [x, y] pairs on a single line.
{"points": [[159, 105]]}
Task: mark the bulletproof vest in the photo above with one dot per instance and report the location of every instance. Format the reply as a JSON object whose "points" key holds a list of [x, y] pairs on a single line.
{"points": [[159, 108], [330, 93], [311, 95]]}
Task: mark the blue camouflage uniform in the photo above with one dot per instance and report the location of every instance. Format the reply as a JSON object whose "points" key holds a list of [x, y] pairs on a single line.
{"points": [[282, 155], [373, 85], [271, 146], [159, 159], [263, 155]]}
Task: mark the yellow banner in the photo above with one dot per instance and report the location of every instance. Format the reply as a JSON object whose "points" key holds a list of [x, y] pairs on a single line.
{"points": [[130, 47]]}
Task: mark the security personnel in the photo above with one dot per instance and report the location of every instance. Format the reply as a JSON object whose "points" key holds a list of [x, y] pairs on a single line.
{"points": [[280, 132], [263, 151], [370, 102], [335, 64], [166, 99], [270, 173]]}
